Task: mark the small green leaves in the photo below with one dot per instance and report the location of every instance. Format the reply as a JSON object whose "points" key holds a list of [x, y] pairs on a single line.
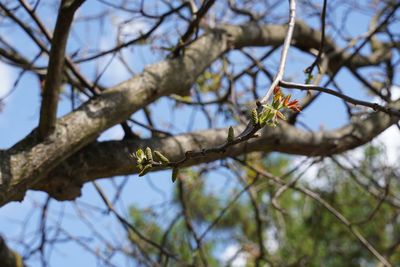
{"points": [[265, 114], [270, 116], [254, 116], [163, 159], [140, 155], [145, 161], [149, 155], [175, 172], [270, 113], [140, 159], [231, 134]]}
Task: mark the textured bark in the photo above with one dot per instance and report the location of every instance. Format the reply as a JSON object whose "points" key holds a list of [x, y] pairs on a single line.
{"points": [[112, 158], [27, 164]]}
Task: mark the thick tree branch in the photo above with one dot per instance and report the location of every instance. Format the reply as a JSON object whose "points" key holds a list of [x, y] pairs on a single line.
{"points": [[48, 110], [112, 158], [29, 161]]}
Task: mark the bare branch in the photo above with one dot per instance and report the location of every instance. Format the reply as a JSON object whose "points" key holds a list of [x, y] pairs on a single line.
{"points": [[374, 106], [128, 225], [310, 69], [48, 110], [35, 160], [193, 26], [285, 50], [113, 158]]}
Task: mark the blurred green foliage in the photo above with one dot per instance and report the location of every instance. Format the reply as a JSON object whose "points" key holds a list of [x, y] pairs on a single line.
{"points": [[305, 235]]}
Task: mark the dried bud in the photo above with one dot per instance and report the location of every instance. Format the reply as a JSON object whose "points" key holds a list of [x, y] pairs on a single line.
{"points": [[231, 134], [277, 90], [175, 172]]}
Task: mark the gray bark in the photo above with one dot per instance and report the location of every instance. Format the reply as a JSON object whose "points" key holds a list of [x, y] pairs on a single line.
{"points": [[35, 163]]}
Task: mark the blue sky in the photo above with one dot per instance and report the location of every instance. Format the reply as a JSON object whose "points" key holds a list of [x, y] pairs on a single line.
{"points": [[20, 116]]}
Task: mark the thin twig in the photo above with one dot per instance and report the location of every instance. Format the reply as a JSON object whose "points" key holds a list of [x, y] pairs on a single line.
{"points": [[310, 69], [285, 49], [193, 26], [188, 222], [226, 208], [110, 207], [374, 106]]}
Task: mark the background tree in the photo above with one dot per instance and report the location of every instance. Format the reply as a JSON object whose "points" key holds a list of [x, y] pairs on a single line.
{"points": [[215, 85]]}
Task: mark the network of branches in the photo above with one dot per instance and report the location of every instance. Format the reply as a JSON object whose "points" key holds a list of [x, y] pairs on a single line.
{"points": [[265, 113]]}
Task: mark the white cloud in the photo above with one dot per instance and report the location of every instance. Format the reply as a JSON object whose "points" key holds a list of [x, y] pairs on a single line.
{"points": [[272, 243], [136, 27], [390, 138], [230, 252], [130, 26], [310, 173], [395, 92]]}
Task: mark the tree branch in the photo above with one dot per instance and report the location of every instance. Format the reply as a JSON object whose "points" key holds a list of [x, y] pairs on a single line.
{"points": [[285, 50], [112, 158], [48, 110], [29, 161], [374, 106]]}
